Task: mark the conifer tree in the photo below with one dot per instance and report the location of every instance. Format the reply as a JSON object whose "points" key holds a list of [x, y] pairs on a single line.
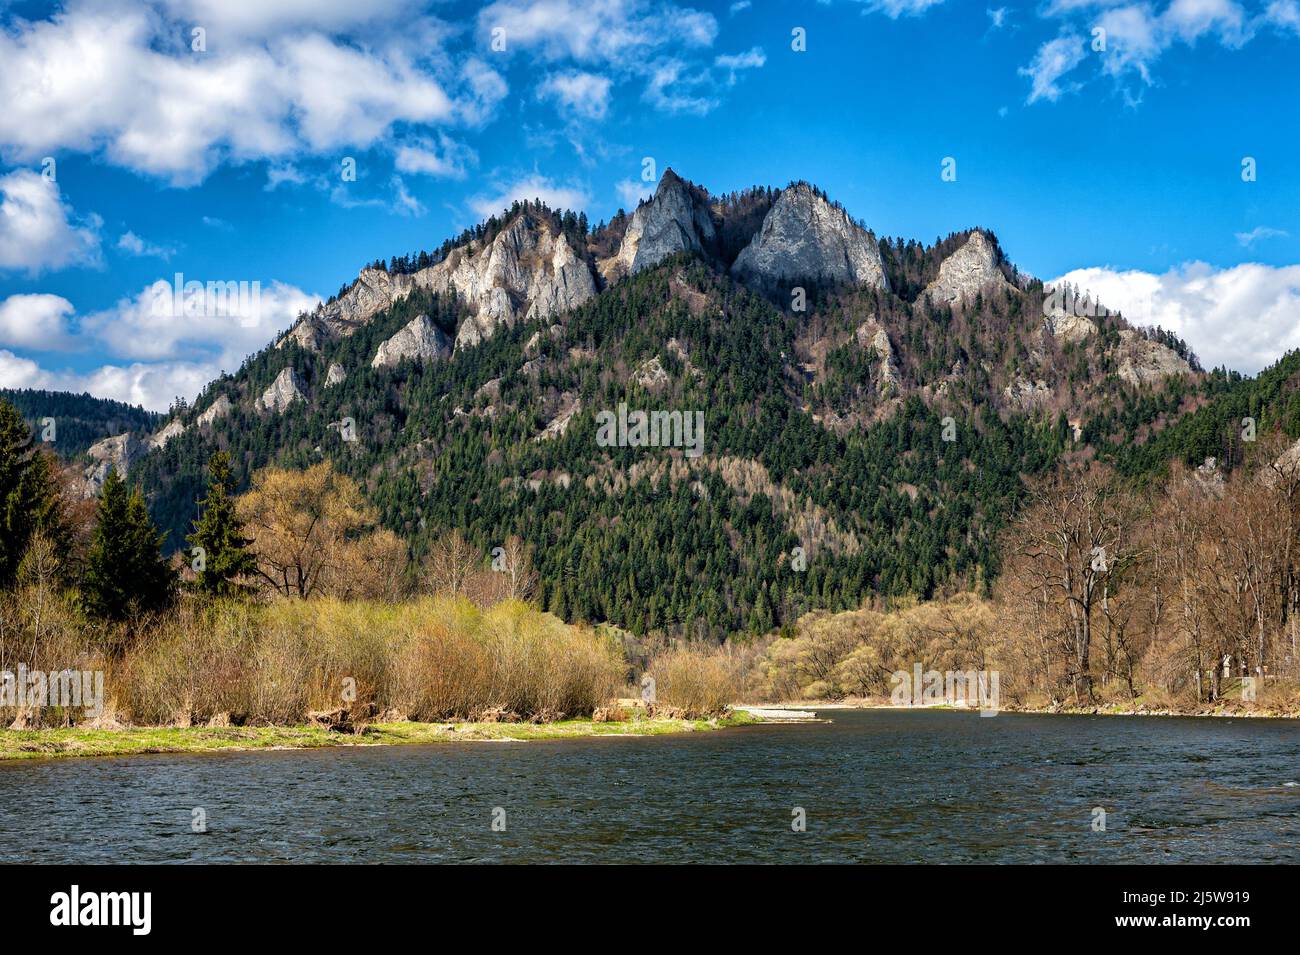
{"points": [[125, 570], [29, 495], [224, 555]]}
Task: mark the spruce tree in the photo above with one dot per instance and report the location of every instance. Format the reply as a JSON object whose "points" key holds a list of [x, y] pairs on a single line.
{"points": [[125, 570], [218, 531], [29, 495]]}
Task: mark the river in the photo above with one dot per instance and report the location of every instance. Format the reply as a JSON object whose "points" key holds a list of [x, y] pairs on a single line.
{"points": [[869, 786]]}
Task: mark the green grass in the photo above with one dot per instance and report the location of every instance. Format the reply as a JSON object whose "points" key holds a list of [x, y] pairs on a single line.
{"points": [[47, 743]]}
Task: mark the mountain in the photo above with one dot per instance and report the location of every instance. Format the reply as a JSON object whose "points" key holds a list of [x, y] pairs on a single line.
{"points": [[869, 437], [79, 420]]}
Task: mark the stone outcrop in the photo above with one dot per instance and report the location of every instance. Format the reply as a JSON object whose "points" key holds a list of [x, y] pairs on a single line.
{"points": [[172, 429], [336, 375], [1026, 394], [871, 334], [675, 220], [1143, 362], [1070, 328], [119, 452], [420, 340], [284, 391], [972, 269], [805, 237], [528, 270], [218, 409]]}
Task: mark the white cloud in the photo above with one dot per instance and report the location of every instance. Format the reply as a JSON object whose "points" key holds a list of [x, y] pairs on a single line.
{"points": [[112, 79], [260, 18], [577, 93], [1284, 14], [609, 31], [38, 231], [218, 324], [632, 191], [38, 322], [899, 8], [1137, 34], [530, 187], [997, 18], [152, 385], [1053, 60], [1245, 317], [734, 62], [1260, 232], [672, 89], [740, 5], [446, 159], [132, 244]]}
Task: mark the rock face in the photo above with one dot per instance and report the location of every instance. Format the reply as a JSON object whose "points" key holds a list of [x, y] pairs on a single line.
{"points": [[218, 409], [336, 375], [284, 391], [1026, 394], [971, 269], [871, 334], [173, 428], [419, 340], [675, 220], [804, 237], [118, 452], [1145, 362], [1071, 328], [528, 270]]}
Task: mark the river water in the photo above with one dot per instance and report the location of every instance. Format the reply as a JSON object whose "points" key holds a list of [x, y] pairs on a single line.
{"points": [[873, 786]]}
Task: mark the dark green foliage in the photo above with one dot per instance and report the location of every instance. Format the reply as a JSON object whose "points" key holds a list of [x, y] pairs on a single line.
{"points": [[79, 420], [29, 495], [225, 554], [125, 570]]}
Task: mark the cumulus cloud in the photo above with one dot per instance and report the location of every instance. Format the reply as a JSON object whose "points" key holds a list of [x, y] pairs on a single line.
{"points": [[38, 231], [577, 93], [153, 386], [38, 322], [527, 188], [1243, 317], [112, 79], [446, 158], [632, 191], [132, 244]]}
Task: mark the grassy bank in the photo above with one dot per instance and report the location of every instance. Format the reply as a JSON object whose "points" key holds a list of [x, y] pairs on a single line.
{"points": [[80, 741]]}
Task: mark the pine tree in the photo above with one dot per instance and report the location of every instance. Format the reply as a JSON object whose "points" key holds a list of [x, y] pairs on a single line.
{"points": [[29, 495], [218, 531], [125, 570]]}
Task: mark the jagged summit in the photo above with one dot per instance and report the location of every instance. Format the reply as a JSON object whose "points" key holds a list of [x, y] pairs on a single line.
{"points": [[972, 269], [804, 236], [676, 219]]}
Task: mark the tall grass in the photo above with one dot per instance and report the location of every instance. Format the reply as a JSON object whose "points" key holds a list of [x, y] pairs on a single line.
{"points": [[698, 680]]}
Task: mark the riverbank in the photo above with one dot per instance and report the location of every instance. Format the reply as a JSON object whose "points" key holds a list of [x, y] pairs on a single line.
{"points": [[1224, 710], [78, 741]]}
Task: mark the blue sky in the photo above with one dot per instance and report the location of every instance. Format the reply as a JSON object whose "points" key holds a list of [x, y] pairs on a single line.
{"points": [[1112, 157]]}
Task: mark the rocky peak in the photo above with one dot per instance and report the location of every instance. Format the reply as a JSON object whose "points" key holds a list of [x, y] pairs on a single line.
{"points": [[675, 220], [119, 452], [1142, 361], [284, 391], [528, 270], [173, 428], [971, 269], [871, 334], [336, 375], [419, 340], [218, 409], [804, 236]]}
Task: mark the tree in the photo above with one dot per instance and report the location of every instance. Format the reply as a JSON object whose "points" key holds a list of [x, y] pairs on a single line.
{"points": [[451, 564], [30, 503], [224, 557], [125, 569], [310, 533]]}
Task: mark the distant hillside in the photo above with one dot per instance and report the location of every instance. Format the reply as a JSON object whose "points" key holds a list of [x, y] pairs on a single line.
{"points": [[871, 408], [79, 420]]}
